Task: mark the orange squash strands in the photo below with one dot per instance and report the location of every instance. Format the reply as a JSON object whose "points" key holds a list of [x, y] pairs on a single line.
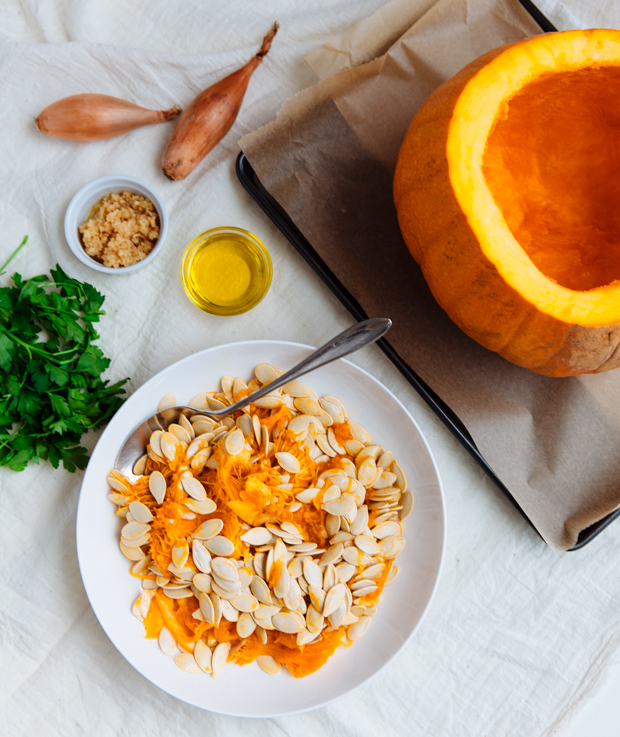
{"points": [[269, 536]]}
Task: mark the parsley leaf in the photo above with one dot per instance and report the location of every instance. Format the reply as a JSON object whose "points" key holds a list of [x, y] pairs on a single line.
{"points": [[51, 390]]}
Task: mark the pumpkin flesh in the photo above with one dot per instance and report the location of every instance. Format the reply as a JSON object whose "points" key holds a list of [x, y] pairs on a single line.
{"points": [[507, 195], [552, 163]]}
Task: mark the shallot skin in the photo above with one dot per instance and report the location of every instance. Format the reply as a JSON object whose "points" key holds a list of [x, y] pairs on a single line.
{"points": [[209, 118], [94, 117]]}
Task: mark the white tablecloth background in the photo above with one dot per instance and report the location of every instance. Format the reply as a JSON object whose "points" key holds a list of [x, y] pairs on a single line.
{"points": [[516, 638]]}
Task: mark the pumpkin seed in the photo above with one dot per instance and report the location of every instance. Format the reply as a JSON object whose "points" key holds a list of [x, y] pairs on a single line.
{"points": [[219, 658], [384, 480], [257, 536], [234, 442], [367, 545], [307, 495], [282, 584], [169, 444], [140, 512], [324, 445], [229, 612], [166, 641], [401, 479], [330, 578], [180, 433], [367, 472], [269, 664], [137, 542], [295, 389], [180, 553], [407, 500], [344, 572], [312, 573], [334, 443], [373, 572], [333, 409], [289, 622], [203, 428], [245, 602], [201, 557], [299, 425], [333, 599], [353, 447], [219, 545], [330, 494], [225, 569], [187, 662], [391, 546], [207, 608], [305, 638], [332, 554], [355, 557], [356, 630], [332, 524], [167, 401], [385, 529], [208, 530], [139, 467], [359, 433], [194, 488], [202, 581], [265, 373], [260, 590], [361, 521], [343, 507], [117, 481], [245, 625], [133, 530], [157, 486], [140, 568], [178, 593], [202, 656], [369, 588], [288, 462], [391, 575]]}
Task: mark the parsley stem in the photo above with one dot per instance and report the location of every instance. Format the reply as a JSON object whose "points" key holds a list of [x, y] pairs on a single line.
{"points": [[12, 256], [52, 357]]}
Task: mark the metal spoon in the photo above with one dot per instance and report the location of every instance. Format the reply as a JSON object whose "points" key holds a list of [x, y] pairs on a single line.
{"points": [[350, 340]]}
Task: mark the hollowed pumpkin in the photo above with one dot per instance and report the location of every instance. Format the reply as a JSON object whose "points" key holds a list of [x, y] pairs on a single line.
{"points": [[507, 190]]}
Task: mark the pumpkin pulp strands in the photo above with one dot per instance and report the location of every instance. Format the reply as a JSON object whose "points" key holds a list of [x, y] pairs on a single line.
{"points": [[209, 117]]}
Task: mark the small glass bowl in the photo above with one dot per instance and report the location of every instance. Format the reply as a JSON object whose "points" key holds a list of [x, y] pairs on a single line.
{"points": [[226, 271]]}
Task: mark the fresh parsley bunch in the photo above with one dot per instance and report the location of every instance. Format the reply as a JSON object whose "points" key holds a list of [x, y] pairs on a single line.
{"points": [[51, 391]]}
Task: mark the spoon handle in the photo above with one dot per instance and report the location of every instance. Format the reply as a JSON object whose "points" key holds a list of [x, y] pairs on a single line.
{"points": [[350, 340]]}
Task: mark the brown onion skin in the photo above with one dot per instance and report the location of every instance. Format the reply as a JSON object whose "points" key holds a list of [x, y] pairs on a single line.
{"points": [[209, 118], [94, 117]]}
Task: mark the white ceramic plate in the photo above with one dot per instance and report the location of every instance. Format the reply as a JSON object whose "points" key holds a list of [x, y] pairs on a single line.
{"points": [[247, 691]]}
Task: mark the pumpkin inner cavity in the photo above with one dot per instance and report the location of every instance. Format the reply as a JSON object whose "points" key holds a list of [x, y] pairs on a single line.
{"points": [[552, 165]]}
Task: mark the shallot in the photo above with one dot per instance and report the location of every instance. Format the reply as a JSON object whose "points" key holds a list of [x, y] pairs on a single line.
{"points": [[209, 117], [93, 117]]}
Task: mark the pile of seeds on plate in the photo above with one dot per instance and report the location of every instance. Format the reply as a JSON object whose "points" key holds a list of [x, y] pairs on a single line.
{"points": [[265, 536]]}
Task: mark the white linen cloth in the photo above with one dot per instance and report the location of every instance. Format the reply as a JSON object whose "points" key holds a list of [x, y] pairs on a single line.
{"points": [[516, 637]]}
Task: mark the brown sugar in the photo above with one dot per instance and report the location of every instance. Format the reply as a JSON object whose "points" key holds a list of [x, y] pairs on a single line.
{"points": [[121, 229]]}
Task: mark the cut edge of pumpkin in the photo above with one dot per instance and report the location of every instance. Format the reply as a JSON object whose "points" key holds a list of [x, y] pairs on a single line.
{"points": [[484, 94]]}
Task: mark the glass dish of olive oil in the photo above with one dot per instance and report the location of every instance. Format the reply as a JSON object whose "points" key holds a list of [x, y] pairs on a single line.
{"points": [[226, 271]]}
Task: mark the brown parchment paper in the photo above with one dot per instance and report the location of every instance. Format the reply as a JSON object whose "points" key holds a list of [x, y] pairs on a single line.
{"points": [[329, 160]]}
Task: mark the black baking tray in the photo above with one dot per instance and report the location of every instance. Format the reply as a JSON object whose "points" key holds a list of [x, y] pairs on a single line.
{"points": [[276, 213]]}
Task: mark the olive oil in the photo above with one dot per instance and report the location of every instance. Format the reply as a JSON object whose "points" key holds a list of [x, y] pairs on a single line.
{"points": [[226, 271]]}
